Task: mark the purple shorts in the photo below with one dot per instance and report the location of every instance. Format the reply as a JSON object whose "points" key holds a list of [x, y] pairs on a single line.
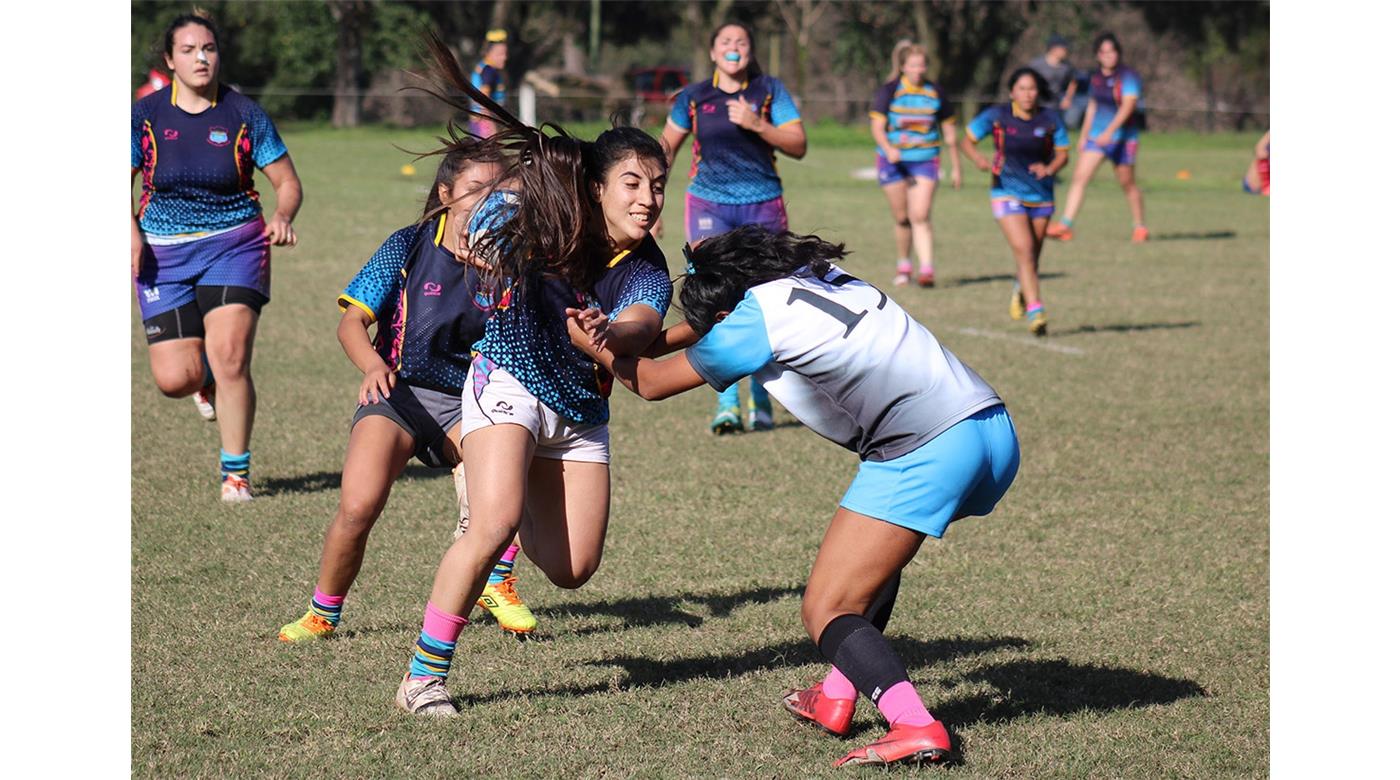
{"points": [[705, 218], [889, 173], [1006, 207], [239, 258], [1119, 153]]}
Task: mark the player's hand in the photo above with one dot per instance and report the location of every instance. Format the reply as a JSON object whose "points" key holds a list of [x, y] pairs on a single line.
{"points": [[1103, 139], [957, 178], [279, 231], [741, 115], [138, 251], [593, 322], [1039, 170], [1064, 104], [376, 384], [982, 163], [892, 155], [580, 338]]}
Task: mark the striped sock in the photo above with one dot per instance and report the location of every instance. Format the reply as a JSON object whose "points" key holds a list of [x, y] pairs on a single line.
{"points": [[432, 656], [237, 465], [327, 606], [504, 566], [1032, 307]]}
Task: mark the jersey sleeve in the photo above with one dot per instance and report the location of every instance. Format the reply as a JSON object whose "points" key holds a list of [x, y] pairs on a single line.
{"points": [[1131, 85], [138, 126], [645, 284], [267, 144], [374, 288], [880, 106], [734, 348], [784, 110], [1061, 132], [680, 110], [981, 125], [945, 106]]}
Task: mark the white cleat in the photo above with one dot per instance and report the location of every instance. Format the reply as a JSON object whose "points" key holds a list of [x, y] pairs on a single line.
{"points": [[425, 697], [204, 402]]}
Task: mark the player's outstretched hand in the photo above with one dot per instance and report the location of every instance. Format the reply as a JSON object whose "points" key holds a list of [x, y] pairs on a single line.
{"points": [[280, 232], [376, 384]]}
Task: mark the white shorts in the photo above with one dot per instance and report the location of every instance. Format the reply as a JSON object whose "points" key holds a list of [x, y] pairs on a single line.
{"points": [[493, 397]]}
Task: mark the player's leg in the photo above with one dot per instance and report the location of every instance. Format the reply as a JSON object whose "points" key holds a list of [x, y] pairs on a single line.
{"points": [[703, 219], [379, 449], [1084, 169], [176, 350], [896, 193], [921, 192], [228, 342], [497, 461], [1127, 179], [1016, 228], [772, 215], [566, 520], [1039, 224]]}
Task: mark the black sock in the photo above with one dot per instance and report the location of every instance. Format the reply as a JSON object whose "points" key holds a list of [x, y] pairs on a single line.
{"points": [[857, 648]]}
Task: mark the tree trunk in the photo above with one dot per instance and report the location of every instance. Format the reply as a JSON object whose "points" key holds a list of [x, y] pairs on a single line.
{"points": [[349, 16], [500, 14]]}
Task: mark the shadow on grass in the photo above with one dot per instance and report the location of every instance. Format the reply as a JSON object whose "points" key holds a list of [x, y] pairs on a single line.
{"points": [[330, 480], [1128, 327], [646, 671], [665, 610], [1059, 687], [989, 278], [1211, 235]]}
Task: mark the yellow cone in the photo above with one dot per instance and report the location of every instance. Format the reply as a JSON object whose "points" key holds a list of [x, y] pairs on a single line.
{"points": [[407, 170]]}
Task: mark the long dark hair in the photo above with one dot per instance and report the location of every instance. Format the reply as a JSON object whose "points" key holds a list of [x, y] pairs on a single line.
{"points": [[721, 269], [1108, 37], [454, 161], [1042, 87], [548, 230]]}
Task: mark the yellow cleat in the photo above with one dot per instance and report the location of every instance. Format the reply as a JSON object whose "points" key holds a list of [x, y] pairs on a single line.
{"points": [[1018, 306], [309, 626], [504, 604], [1039, 323]]}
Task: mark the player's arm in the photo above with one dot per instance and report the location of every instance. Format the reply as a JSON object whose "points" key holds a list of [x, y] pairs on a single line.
{"points": [[653, 380], [790, 139], [879, 129], [353, 334], [138, 239], [1125, 110], [285, 181], [1261, 149], [678, 336], [968, 145], [632, 330], [1088, 123], [672, 136], [950, 130], [1070, 91]]}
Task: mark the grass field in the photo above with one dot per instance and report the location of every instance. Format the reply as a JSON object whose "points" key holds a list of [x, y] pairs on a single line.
{"points": [[1110, 619]]}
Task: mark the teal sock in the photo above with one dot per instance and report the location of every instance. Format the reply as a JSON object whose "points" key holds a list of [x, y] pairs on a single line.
{"points": [[1066, 222], [237, 465]]}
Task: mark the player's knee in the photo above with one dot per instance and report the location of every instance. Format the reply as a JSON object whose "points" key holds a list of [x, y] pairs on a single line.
{"points": [[228, 359], [178, 382], [918, 220], [902, 221], [357, 515], [574, 576]]}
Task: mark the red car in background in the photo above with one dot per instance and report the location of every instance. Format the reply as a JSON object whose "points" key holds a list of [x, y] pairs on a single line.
{"points": [[653, 89], [155, 82]]}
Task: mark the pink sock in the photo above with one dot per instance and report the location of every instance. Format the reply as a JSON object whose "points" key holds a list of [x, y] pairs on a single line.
{"points": [[441, 626], [836, 686], [327, 599], [509, 557], [901, 705]]}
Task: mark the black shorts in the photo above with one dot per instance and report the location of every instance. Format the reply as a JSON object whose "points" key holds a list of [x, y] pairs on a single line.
{"points": [[187, 322], [427, 415]]}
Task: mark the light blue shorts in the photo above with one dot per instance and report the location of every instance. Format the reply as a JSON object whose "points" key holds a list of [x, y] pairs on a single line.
{"points": [[963, 472]]}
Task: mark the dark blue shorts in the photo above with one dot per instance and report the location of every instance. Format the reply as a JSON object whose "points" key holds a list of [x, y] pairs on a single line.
{"points": [[241, 257], [704, 218]]}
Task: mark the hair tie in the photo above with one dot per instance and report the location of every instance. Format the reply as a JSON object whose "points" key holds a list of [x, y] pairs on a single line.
{"points": [[689, 263]]}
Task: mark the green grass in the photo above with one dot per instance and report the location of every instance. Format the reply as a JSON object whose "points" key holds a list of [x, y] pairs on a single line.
{"points": [[1110, 619]]}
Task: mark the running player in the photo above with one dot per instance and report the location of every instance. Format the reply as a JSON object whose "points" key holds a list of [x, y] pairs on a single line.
{"points": [[429, 309], [1256, 176], [910, 118], [741, 119], [935, 441], [489, 76], [1031, 145], [573, 230], [1111, 132], [200, 253]]}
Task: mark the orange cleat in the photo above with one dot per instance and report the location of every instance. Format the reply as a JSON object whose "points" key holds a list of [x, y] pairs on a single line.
{"points": [[813, 706], [912, 744], [1059, 230], [1140, 234]]}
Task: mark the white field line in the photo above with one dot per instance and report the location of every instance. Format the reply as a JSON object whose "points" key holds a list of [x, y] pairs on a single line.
{"points": [[1029, 341]]}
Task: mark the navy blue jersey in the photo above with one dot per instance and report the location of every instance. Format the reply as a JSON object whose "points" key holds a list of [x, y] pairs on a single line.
{"points": [[528, 335], [729, 164], [197, 169], [1021, 141], [428, 305], [1108, 93], [491, 81]]}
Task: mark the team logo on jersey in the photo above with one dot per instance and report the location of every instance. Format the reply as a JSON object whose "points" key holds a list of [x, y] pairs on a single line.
{"points": [[171, 135], [432, 288], [1039, 132], [218, 136], [152, 294], [709, 108]]}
